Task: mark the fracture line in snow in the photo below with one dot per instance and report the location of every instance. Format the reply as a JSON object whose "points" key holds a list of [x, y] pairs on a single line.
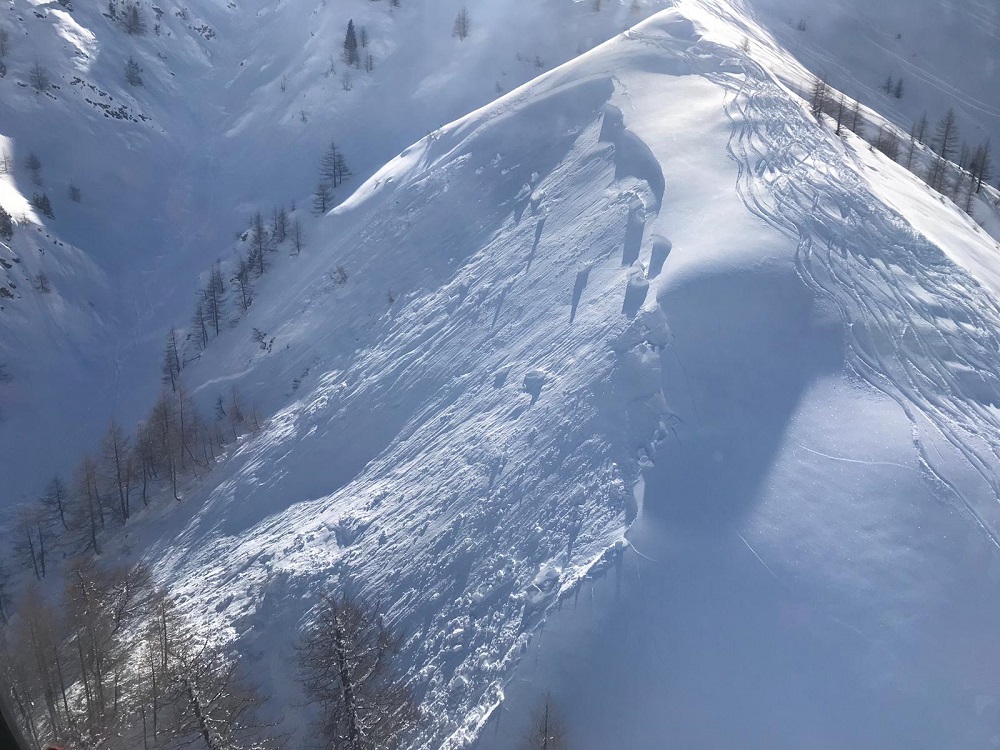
{"points": [[833, 617], [855, 460], [644, 557], [759, 558]]}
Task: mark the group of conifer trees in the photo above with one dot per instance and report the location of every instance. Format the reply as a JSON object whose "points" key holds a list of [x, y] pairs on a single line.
{"points": [[333, 171], [955, 168], [356, 40], [352, 55], [941, 159], [126, 472], [265, 239], [129, 16], [174, 441], [113, 662]]}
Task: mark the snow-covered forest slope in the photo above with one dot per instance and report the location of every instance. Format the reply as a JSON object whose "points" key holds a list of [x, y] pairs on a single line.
{"points": [[236, 105], [946, 54], [638, 384]]}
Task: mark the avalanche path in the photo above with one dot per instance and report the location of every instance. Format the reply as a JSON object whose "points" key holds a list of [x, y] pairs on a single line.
{"points": [[562, 319]]}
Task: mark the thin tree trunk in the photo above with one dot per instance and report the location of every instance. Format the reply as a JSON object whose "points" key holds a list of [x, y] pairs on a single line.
{"points": [[86, 682], [347, 683], [62, 680], [41, 547], [200, 717]]}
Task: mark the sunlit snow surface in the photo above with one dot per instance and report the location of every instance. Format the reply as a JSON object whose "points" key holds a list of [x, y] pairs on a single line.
{"points": [[239, 101], [809, 383], [671, 414]]}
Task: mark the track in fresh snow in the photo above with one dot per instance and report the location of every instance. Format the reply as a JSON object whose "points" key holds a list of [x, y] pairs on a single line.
{"points": [[798, 575], [917, 327]]}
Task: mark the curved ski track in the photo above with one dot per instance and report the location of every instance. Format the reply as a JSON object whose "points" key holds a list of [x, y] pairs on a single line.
{"points": [[917, 327]]}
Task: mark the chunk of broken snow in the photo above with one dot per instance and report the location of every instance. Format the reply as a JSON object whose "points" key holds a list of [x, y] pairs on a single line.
{"points": [[534, 380]]}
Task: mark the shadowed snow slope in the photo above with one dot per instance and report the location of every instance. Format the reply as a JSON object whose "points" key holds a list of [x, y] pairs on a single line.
{"points": [[858, 45], [640, 334]]}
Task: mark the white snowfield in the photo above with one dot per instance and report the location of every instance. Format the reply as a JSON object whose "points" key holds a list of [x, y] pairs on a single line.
{"points": [[238, 101], [644, 388]]}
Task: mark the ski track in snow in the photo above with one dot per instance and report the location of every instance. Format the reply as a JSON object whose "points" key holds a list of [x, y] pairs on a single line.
{"points": [[917, 327], [480, 532]]}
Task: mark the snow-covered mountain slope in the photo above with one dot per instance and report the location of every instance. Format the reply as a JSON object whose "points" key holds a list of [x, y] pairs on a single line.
{"points": [[238, 102], [765, 36], [48, 325], [946, 53], [645, 322]]}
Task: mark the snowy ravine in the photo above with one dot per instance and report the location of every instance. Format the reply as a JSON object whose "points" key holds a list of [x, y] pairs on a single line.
{"points": [[641, 334], [238, 102]]}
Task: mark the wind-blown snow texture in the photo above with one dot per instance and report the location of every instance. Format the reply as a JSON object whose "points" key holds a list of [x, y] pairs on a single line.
{"points": [[662, 350]]}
